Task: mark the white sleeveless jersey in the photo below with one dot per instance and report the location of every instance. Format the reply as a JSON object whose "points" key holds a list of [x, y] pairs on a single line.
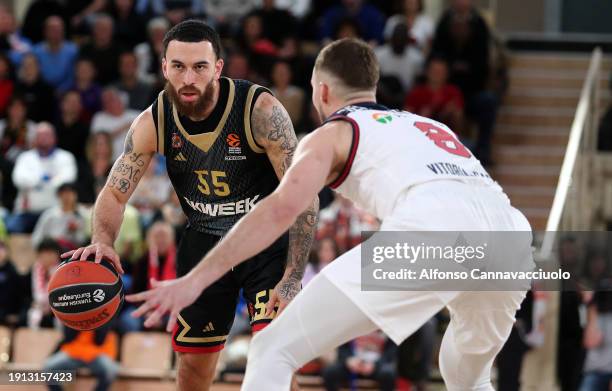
{"points": [[395, 150]]}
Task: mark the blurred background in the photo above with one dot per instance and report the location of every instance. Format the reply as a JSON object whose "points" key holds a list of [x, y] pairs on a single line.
{"points": [[523, 83]]}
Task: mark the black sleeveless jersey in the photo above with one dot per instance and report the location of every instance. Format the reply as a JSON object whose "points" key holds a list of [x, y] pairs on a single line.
{"points": [[218, 173]]}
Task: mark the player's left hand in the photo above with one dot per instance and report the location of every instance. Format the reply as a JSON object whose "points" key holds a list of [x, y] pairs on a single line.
{"points": [[169, 296], [282, 294]]}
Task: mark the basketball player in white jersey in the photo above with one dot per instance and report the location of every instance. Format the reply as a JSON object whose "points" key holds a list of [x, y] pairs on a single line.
{"points": [[414, 175]]}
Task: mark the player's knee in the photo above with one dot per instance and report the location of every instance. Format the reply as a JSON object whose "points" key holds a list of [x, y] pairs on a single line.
{"points": [[192, 366], [465, 371], [261, 344], [267, 348]]}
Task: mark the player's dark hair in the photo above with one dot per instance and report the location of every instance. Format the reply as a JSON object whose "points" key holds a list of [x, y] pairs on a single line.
{"points": [[352, 61], [48, 244], [193, 31]]}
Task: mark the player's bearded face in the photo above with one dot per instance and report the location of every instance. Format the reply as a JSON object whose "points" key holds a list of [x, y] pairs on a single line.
{"points": [[191, 107]]}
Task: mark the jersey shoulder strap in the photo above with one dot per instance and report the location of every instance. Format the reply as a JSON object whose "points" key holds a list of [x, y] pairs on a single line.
{"points": [[253, 91], [158, 112]]}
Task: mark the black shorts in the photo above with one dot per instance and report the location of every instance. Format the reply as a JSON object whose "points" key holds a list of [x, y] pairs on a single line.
{"points": [[203, 326]]}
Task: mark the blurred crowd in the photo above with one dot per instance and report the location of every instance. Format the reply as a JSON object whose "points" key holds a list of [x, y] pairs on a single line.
{"points": [[74, 75]]}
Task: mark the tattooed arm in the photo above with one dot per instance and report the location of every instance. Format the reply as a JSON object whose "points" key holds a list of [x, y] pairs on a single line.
{"points": [[273, 130], [140, 145]]}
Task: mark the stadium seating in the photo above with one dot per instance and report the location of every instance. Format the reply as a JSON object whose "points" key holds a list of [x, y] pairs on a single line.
{"points": [[5, 345], [533, 127], [31, 347], [146, 355]]}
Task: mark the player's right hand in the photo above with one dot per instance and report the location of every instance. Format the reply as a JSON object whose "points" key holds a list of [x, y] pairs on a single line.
{"points": [[100, 250]]}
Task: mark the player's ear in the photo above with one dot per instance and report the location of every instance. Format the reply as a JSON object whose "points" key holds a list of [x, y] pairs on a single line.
{"points": [[325, 93], [164, 67], [219, 68]]}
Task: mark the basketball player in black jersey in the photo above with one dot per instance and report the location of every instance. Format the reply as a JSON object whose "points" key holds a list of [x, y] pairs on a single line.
{"points": [[226, 142]]}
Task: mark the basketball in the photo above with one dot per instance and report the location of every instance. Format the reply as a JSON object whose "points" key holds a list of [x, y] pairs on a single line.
{"points": [[85, 295]]}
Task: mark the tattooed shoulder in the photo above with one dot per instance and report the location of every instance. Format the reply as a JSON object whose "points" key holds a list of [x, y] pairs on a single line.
{"points": [[272, 126]]}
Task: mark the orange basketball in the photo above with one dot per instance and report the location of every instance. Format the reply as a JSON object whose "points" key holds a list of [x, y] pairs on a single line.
{"points": [[85, 295]]}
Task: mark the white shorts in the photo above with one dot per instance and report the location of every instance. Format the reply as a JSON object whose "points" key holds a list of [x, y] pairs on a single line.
{"points": [[479, 319]]}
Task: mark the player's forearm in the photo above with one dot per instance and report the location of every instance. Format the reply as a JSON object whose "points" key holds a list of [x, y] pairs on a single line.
{"points": [[107, 218], [301, 237], [246, 239]]}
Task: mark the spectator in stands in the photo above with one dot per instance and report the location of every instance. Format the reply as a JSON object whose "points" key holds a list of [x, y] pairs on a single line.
{"points": [[436, 98], [11, 292], [369, 18], [3, 231], [510, 358], [347, 28], [38, 95], [596, 268], [38, 174], [149, 53], [114, 118], [7, 84], [172, 213], [280, 27], [297, 8], [37, 12], [399, 59], [93, 174], [95, 350], [65, 222], [237, 66], [261, 51], [572, 304], [278, 24], [463, 38], [290, 96], [103, 51], [16, 130], [139, 93], [344, 222], [598, 340], [56, 55], [420, 27], [326, 251], [16, 133], [226, 15], [129, 26], [90, 91], [153, 190], [159, 260], [175, 10], [372, 356], [72, 131], [415, 356], [12, 43], [159, 263], [81, 14], [47, 261]]}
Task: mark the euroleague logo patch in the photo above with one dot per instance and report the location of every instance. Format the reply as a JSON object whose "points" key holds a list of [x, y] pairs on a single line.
{"points": [[233, 140], [176, 141], [98, 295], [382, 118], [233, 148]]}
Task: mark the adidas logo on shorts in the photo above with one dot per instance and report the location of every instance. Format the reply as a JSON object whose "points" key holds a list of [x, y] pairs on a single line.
{"points": [[209, 327]]}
